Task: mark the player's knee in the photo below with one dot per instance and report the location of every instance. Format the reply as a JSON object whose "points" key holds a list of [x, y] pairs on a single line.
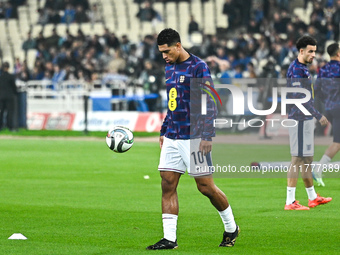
{"points": [[168, 185], [205, 189]]}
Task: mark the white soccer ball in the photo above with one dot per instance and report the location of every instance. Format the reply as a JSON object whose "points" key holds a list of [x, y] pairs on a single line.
{"points": [[119, 139]]}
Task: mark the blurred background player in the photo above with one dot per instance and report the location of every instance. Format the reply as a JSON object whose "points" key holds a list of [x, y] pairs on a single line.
{"points": [[8, 96], [178, 143], [329, 84], [301, 137]]}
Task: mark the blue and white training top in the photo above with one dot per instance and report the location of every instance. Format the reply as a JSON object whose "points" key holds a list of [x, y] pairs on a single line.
{"points": [[176, 124], [328, 83], [298, 76]]}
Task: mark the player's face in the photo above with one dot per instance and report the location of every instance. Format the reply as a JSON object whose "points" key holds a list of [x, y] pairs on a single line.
{"points": [[308, 54], [170, 53]]}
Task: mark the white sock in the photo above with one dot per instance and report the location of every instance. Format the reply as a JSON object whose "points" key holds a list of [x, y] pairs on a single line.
{"points": [[323, 161], [290, 195], [228, 220], [169, 226], [311, 193]]}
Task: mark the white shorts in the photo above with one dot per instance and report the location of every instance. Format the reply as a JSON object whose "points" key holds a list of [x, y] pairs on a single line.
{"points": [[181, 155], [301, 139]]}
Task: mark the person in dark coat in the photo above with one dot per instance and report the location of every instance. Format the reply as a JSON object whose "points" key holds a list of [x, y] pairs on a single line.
{"points": [[8, 94]]}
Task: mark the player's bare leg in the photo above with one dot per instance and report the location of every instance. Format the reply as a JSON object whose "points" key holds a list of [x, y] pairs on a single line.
{"points": [[302, 164], [219, 200], [331, 151], [313, 198], [293, 172], [169, 211], [169, 192], [306, 172], [292, 177], [208, 188]]}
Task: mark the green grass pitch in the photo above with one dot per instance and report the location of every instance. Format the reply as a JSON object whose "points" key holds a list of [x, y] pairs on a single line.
{"points": [[78, 197]]}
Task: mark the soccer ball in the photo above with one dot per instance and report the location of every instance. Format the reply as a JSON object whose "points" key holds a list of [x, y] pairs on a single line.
{"points": [[119, 139]]}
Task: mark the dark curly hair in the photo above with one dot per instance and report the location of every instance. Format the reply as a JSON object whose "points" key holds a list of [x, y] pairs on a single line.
{"points": [[168, 36], [304, 41]]}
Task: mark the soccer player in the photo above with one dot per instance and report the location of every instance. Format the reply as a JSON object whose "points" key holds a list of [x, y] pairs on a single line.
{"points": [[178, 144], [301, 137], [329, 85]]}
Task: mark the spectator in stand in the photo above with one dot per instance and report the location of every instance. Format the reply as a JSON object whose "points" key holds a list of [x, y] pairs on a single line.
{"points": [[263, 50], [299, 24], [37, 73], [71, 74], [244, 8], [24, 74], [29, 43], [69, 14], [118, 64], [279, 26], [94, 14], [132, 62], [9, 11], [212, 46], [229, 9], [47, 80], [67, 40], [80, 35], [258, 13], [89, 63], [43, 53], [80, 16], [336, 20], [71, 59], [250, 73], [111, 40], [147, 13], [221, 53], [53, 16], [53, 40], [95, 44], [125, 45], [291, 32], [319, 37], [17, 66], [105, 58], [253, 27], [317, 23], [238, 71], [58, 76], [193, 25], [318, 10], [147, 49], [269, 7], [40, 39], [151, 80], [329, 32], [43, 17], [82, 3], [48, 68], [2, 10]]}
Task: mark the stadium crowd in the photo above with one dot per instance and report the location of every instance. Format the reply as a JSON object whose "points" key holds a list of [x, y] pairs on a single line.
{"points": [[259, 41]]}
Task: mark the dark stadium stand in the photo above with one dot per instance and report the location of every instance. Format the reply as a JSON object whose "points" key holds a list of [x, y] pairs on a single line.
{"points": [[256, 41]]}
